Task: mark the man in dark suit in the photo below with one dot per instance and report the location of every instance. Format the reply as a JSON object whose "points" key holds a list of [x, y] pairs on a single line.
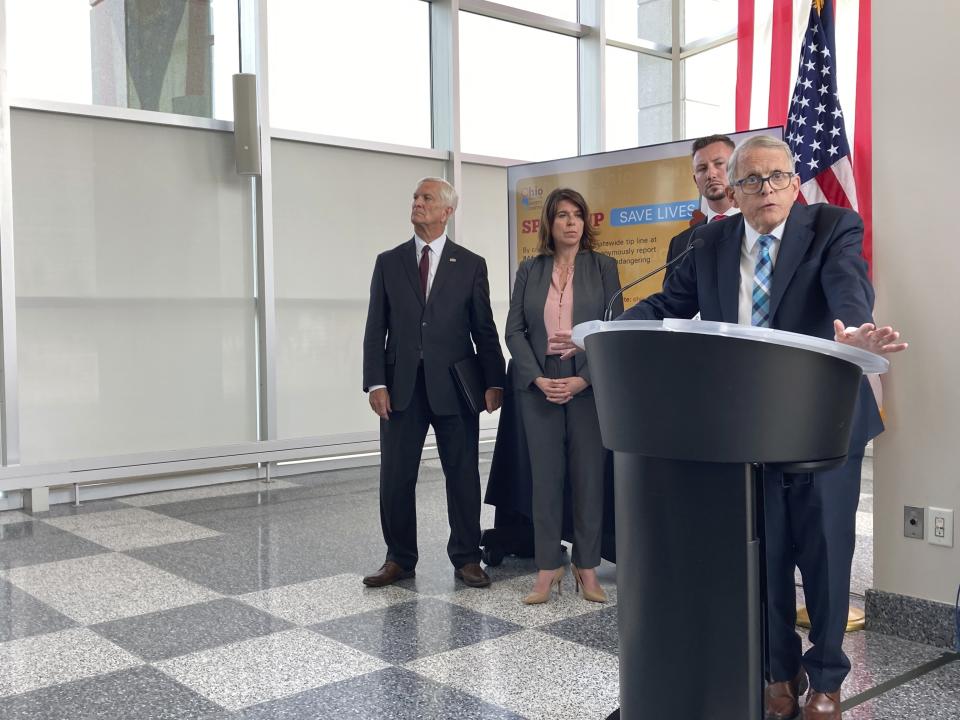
{"points": [[710, 156], [798, 268], [429, 306]]}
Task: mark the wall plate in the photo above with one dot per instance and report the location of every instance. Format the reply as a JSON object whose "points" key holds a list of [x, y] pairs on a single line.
{"points": [[913, 522]]}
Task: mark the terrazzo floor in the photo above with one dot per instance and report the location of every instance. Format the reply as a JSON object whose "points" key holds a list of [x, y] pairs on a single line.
{"points": [[245, 601]]}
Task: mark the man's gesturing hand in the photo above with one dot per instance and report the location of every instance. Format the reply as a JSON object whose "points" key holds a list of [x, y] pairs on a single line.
{"points": [[869, 337]]}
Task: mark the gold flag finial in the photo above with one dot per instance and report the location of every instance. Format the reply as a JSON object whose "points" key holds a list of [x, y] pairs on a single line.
{"points": [[818, 4]]}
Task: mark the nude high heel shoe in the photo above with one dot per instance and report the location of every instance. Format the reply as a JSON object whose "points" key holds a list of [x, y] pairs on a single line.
{"points": [[597, 597], [538, 598]]}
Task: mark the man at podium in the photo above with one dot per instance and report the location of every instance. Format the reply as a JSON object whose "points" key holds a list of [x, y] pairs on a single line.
{"points": [[799, 268]]}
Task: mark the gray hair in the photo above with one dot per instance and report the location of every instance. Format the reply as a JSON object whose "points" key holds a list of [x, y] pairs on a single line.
{"points": [[757, 142], [447, 194]]}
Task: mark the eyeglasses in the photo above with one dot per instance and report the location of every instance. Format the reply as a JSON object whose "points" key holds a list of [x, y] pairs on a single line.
{"points": [[753, 184]]}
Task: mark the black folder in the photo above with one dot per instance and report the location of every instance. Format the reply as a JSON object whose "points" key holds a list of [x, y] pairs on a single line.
{"points": [[468, 376]]}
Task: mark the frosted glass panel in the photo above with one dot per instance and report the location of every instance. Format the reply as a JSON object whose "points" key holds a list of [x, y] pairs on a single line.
{"points": [[134, 288], [335, 210], [485, 231]]}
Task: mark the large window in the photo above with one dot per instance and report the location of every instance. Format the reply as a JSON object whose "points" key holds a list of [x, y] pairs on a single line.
{"points": [[518, 90], [174, 57], [710, 91], [623, 98], [708, 18], [632, 20], [335, 71], [563, 9], [655, 100]]}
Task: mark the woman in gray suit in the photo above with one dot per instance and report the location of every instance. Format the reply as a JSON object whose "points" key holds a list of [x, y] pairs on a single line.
{"points": [[566, 283]]}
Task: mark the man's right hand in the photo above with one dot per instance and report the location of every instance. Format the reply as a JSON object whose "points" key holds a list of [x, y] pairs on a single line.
{"points": [[380, 402]]}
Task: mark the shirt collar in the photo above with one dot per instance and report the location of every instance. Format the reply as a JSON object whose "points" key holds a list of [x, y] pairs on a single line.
{"points": [[729, 212], [751, 236], [436, 246]]}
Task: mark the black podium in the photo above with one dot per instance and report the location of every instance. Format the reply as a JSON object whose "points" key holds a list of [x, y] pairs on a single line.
{"points": [[693, 411]]}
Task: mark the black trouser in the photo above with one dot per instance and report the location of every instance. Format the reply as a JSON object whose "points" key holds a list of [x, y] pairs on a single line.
{"points": [[564, 440], [811, 524], [401, 445]]}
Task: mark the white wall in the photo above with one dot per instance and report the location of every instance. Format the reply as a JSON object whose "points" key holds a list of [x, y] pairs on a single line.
{"points": [[917, 261]]}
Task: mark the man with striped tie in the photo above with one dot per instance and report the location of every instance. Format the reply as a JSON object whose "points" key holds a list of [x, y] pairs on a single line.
{"points": [[799, 268], [710, 157]]}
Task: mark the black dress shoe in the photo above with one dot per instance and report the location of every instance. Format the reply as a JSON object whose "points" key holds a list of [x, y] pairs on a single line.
{"points": [[388, 574], [473, 575], [782, 698]]}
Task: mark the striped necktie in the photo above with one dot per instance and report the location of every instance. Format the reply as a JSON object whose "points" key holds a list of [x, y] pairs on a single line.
{"points": [[762, 274]]}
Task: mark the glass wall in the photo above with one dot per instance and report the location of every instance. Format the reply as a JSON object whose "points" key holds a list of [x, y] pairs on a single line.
{"points": [[172, 57], [563, 9], [710, 89], [623, 98], [134, 243], [322, 80], [518, 90], [135, 300]]}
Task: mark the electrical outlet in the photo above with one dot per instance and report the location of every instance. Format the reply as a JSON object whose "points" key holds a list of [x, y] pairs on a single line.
{"points": [[940, 523], [913, 522]]}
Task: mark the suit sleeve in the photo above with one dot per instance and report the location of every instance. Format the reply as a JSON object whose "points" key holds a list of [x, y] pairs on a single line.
{"points": [[375, 332], [678, 299], [844, 274], [677, 245], [610, 279], [483, 328], [525, 363]]}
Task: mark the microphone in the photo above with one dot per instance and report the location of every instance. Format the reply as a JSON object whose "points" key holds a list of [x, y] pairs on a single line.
{"points": [[694, 244]]}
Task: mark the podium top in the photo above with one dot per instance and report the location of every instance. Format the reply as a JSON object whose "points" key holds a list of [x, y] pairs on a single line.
{"points": [[867, 361]]}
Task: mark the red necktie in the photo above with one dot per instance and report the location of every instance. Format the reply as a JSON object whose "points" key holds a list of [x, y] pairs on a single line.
{"points": [[719, 216], [424, 269]]}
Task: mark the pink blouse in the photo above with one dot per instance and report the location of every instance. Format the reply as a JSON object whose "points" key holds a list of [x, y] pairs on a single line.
{"points": [[558, 309]]}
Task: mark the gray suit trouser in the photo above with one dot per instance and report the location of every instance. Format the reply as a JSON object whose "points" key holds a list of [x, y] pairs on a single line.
{"points": [[564, 441]]}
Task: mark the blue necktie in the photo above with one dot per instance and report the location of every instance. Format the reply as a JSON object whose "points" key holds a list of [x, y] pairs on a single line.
{"points": [[760, 315]]}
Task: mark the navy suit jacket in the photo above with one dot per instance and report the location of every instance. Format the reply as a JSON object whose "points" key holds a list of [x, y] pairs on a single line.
{"points": [[819, 275], [402, 328], [679, 243]]}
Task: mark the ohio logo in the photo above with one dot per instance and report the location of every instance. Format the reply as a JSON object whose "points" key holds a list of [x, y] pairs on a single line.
{"points": [[530, 194]]}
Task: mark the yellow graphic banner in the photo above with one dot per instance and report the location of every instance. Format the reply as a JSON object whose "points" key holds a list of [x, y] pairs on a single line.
{"points": [[639, 200]]}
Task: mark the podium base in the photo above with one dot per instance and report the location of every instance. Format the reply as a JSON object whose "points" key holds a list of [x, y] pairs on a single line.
{"points": [[856, 619]]}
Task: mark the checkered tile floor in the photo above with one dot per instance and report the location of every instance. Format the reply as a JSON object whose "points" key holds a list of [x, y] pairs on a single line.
{"points": [[245, 601]]}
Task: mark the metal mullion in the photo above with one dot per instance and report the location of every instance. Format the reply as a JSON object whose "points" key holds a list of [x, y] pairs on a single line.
{"points": [[523, 17], [591, 79], [643, 47], [10, 399], [445, 91], [704, 44], [262, 191], [677, 68]]}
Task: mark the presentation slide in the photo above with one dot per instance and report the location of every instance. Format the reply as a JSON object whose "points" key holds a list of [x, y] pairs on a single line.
{"points": [[638, 198]]}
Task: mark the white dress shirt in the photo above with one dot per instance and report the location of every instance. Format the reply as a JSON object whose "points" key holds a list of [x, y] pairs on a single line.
{"points": [[729, 212], [749, 251]]}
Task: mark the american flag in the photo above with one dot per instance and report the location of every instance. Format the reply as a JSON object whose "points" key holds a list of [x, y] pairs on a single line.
{"points": [[771, 36], [815, 128]]}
